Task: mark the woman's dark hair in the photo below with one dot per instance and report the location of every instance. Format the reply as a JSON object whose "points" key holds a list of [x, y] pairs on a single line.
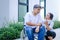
{"points": [[51, 16]]}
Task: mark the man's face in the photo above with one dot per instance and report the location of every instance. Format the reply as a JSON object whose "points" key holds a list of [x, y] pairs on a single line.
{"points": [[37, 10]]}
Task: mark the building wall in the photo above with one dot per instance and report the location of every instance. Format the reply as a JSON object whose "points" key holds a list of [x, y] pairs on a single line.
{"points": [[4, 12], [8, 11], [13, 10], [53, 7]]}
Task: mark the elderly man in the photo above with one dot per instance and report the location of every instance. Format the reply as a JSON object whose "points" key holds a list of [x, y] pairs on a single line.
{"points": [[33, 23]]}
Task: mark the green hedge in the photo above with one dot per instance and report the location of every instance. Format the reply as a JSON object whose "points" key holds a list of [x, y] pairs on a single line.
{"points": [[11, 32], [56, 24]]}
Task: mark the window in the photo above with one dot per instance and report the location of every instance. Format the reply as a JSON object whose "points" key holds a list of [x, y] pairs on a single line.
{"points": [[22, 9], [41, 0], [23, 1], [43, 10]]}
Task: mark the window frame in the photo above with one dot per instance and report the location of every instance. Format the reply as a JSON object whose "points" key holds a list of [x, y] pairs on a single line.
{"points": [[25, 4], [44, 7]]}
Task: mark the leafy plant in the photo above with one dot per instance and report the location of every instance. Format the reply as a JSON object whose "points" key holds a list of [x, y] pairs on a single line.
{"points": [[11, 32], [17, 25], [56, 24]]}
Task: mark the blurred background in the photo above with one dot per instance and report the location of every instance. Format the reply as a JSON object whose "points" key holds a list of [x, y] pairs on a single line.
{"points": [[13, 11]]}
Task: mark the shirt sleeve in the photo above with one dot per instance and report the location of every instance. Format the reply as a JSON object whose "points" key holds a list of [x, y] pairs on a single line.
{"points": [[40, 19], [51, 25], [26, 18]]}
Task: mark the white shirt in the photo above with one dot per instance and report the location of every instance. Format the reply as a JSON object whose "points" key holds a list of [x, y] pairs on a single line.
{"points": [[29, 17], [51, 24]]}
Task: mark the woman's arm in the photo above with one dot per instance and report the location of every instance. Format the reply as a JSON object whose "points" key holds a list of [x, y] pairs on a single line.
{"points": [[49, 27]]}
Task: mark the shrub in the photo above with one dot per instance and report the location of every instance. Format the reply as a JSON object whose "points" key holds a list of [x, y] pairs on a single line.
{"points": [[56, 24], [11, 32], [17, 25]]}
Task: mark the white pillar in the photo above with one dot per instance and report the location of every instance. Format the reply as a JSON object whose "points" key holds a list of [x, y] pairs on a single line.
{"points": [[13, 10]]}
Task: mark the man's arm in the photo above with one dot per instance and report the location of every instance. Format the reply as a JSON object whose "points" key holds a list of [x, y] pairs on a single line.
{"points": [[32, 24]]}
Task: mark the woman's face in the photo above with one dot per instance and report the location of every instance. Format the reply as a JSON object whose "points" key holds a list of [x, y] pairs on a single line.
{"points": [[48, 16]]}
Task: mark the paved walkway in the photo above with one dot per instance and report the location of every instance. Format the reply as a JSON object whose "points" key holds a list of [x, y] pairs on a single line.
{"points": [[57, 35]]}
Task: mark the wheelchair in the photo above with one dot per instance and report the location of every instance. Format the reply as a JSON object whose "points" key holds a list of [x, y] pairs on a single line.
{"points": [[24, 36]]}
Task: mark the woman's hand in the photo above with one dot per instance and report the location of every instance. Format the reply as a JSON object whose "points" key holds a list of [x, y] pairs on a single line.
{"points": [[46, 22], [47, 25]]}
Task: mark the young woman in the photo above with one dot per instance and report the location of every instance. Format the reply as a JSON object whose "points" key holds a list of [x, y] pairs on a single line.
{"points": [[50, 34]]}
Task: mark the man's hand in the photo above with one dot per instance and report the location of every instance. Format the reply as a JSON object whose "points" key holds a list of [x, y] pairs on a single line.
{"points": [[37, 29]]}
